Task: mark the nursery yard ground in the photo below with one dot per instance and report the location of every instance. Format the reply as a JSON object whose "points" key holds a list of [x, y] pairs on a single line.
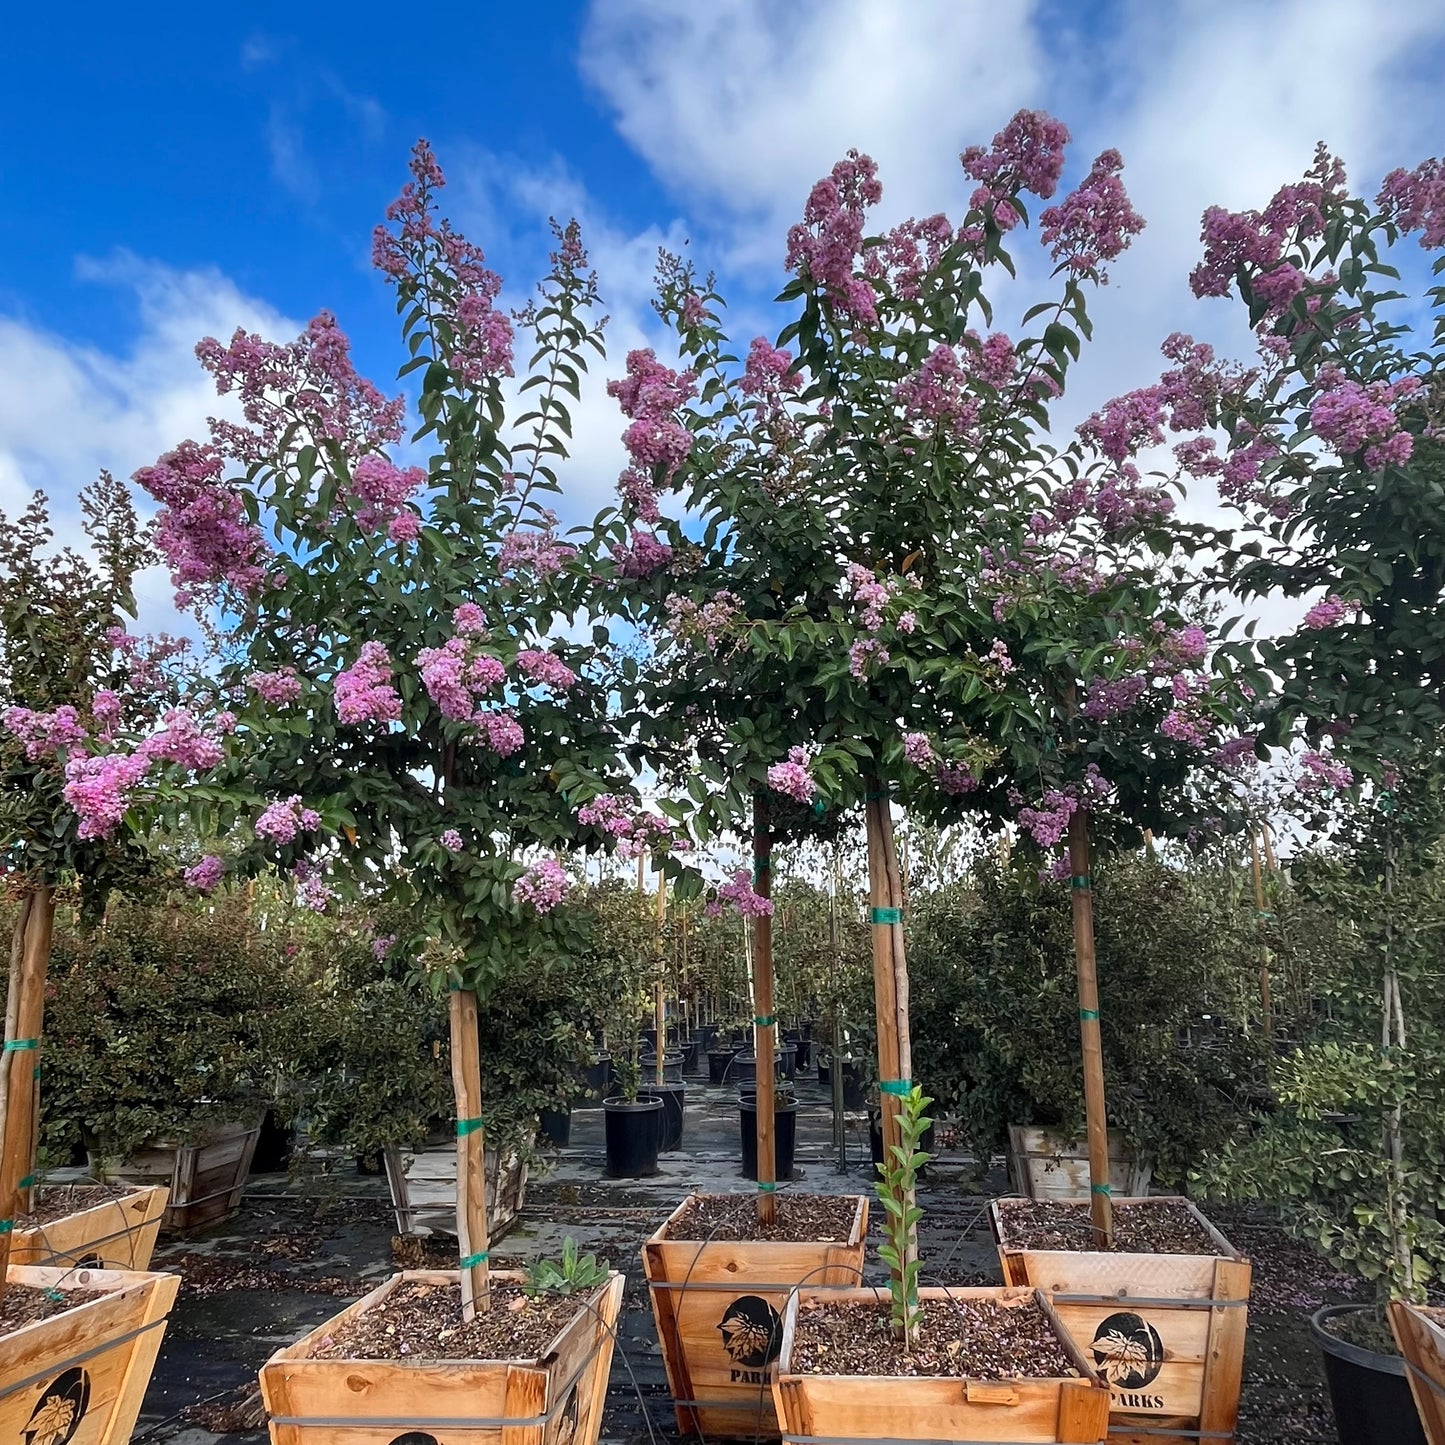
{"points": [[305, 1243]]}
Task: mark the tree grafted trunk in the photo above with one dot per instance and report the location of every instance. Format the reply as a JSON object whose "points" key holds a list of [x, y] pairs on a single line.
{"points": [[765, 1025], [472, 1241]]}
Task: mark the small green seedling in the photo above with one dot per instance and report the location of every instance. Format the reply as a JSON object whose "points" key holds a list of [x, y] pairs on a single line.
{"points": [[574, 1275], [897, 1177]]}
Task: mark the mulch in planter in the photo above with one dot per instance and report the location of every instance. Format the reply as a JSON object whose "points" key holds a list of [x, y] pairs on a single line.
{"points": [[23, 1305], [419, 1321], [1163, 1228], [802, 1218], [56, 1203], [1365, 1329], [981, 1339]]}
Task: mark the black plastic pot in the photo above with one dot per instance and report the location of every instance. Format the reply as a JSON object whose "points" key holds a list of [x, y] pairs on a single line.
{"points": [[649, 1041], [804, 1048], [741, 1039], [825, 1073], [719, 1063], [704, 1034], [672, 1062], [875, 1140], [688, 1050], [785, 1133], [597, 1078], [674, 1100], [634, 1136], [853, 1095], [745, 1067], [788, 1061], [555, 1125], [273, 1145], [1369, 1392]]}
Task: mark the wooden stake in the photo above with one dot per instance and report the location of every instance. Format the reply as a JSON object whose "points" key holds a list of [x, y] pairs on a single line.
{"points": [[1269, 848], [765, 1026], [24, 1014], [1265, 1007], [472, 1239], [1101, 1206], [659, 997]]}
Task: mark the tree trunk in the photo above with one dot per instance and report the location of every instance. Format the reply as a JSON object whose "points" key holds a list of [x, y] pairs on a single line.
{"points": [[835, 1074], [1101, 1206], [1260, 914], [472, 1240], [1393, 1035], [24, 1012], [765, 1025], [890, 980]]}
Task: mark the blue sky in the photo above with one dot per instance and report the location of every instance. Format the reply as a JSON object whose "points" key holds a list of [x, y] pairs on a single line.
{"points": [[167, 171]]}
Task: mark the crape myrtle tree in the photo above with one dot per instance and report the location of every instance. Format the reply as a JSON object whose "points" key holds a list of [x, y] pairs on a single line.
{"points": [[71, 678], [414, 722], [882, 580]]}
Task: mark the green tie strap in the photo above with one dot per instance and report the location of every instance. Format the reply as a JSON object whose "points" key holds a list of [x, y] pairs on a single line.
{"points": [[887, 915], [1263, 913], [765, 1021], [14, 1046], [6, 1225], [765, 1187], [763, 862], [875, 797], [902, 1087], [1101, 1189], [29, 1182], [820, 807], [467, 1126], [470, 1261], [1085, 1014], [1081, 880]]}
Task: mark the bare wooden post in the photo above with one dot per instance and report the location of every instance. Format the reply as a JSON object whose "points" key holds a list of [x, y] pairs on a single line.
{"points": [[1266, 1008], [890, 977], [659, 997], [24, 1013], [1101, 1205], [472, 1239], [765, 1025]]}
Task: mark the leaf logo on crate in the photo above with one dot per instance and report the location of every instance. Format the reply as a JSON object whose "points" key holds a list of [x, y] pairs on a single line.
{"points": [[416, 1437], [752, 1334], [571, 1417], [1129, 1353], [59, 1410]]}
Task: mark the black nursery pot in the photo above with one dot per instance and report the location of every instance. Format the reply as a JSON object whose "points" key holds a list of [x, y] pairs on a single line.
{"points": [[788, 1061], [719, 1062], [556, 1126], [672, 1064], [875, 1140], [634, 1135], [785, 1133], [688, 1049], [597, 1078], [273, 1145], [745, 1067], [804, 1049], [1369, 1392], [674, 1098]]}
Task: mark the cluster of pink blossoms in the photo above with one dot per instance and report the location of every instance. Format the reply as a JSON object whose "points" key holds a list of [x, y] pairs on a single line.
{"points": [[708, 622], [1026, 155], [955, 779], [1188, 721], [206, 875], [451, 840], [364, 692], [1049, 821], [100, 789], [536, 551], [284, 820], [908, 252], [202, 530], [44, 733], [1113, 699], [918, 749], [544, 885], [936, 396], [642, 555], [456, 674], [1319, 771], [480, 330], [184, 741], [1329, 612], [383, 492], [828, 240], [768, 371], [1415, 201], [311, 890], [657, 444], [277, 688], [792, 777], [1352, 417], [1093, 223], [637, 832], [740, 894], [545, 668]]}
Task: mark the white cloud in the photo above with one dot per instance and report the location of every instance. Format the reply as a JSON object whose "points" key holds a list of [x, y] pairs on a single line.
{"points": [[69, 410]]}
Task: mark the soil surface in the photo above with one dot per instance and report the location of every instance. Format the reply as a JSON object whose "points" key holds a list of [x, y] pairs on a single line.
{"points": [[55, 1204], [420, 1321], [25, 1306], [802, 1218], [981, 1339], [1138, 1228], [1364, 1329]]}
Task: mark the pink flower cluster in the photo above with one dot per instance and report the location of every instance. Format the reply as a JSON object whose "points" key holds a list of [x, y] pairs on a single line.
{"points": [[451, 840], [792, 777], [1094, 223], [937, 395], [545, 668], [383, 491], [205, 875], [106, 707], [536, 550], [1319, 771], [1048, 822], [1352, 417], [364, 692], [182, 740], [382, 946], [543, 885], [456, 674], [1415, 201], [742, 897], [642, 556], [1185, 396], [311, 890], [708, 622], [955, 779], [277, 688], [825, 244], [1328, 613], [651, 394], [1026, 155], [918, 749], [1188, 721], [100, 789], [768, 371], [908, 253], [202, 530], [1113, 699], [502, 732], [44, 733], [309, 384], [637, 832], [282, 821]]}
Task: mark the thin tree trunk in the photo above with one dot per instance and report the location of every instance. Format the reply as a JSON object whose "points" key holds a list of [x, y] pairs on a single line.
{"points": [[840, 1132], [1393, 1035], [472, 1241], [1101, 1206], [1260, 914], [765, 1025], [24, 1014], [659, 994]]}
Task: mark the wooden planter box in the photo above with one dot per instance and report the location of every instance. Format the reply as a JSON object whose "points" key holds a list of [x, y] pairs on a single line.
{"points": [[423, 1190], [1421, 1339], [1045, 1165], [205, 1178], [79, 1377], [884, 1407], [696, 1286], [557, 1399], [119, 1233], [1165, 1330]]}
